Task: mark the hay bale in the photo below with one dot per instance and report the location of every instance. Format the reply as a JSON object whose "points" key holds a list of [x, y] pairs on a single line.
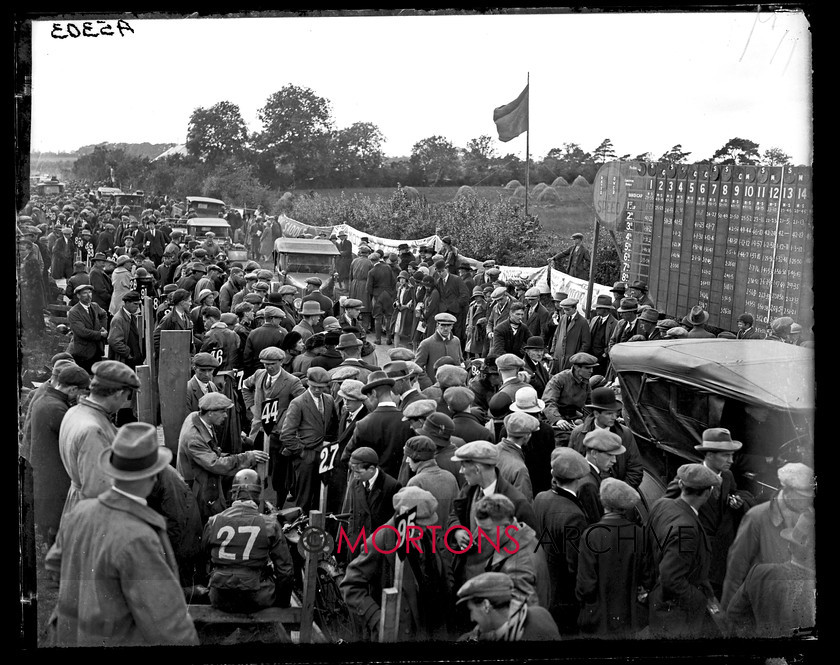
{"points": [[580, 181], [538, 189], [560, 181], [519, 193], [410, 192], [549, 195], [513, 184], [465, 191]]}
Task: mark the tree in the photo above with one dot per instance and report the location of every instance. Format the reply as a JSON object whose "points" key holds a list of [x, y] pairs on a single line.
{"points": [[357, 154], [478, 159], [775, 157], [217, 132], [644, 157], [737, 151], [675, 155], [435, 159], [604, 152], [296, 135]]}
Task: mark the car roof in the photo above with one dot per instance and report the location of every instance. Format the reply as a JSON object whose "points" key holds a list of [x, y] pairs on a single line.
{"points": [[208, 221], [760, 372], [204, 199], [305, 246]]}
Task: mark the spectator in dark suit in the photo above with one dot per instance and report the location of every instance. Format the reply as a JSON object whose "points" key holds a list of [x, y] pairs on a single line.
{"points": [[381, 291], [537, 362], [465, 272], [89, 325], [511, 334], [572, 335], [601, 327], [467, 425], [154, 241], [454, 297], [537, 317], [100, 280]]}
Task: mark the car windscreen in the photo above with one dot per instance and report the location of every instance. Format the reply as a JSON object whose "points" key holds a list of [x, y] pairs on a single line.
{"points": [[309, 263], [200, 230]]}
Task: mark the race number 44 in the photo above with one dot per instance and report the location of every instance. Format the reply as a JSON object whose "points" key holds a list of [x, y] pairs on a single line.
{"points": [[328, 454], [270, 414]]}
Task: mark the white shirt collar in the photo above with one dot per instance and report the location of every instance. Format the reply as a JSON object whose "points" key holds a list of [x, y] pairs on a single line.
{"points": [[133, 497], [490, 489], [371, 480], [386, 402]]}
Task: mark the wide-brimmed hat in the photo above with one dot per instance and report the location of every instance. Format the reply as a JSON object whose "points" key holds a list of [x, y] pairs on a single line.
{"points": [[376, 379], [527, 400], [650, 315], [311, 308], [639, 286], [348, 340], [604, 301], [619, 287], [718, 439], [605, 400], [697, 316], [135, 453], [628, 305]]}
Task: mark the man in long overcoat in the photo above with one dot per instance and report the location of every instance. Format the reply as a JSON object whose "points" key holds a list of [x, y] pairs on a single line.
{"points": [[572, 335]]}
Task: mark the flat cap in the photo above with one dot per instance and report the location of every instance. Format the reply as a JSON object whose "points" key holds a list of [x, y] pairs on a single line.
{"points": [[511, 361], [519, 422], [229, 319], [781, 324], [274, 312], [419, 448], [401, 353], [420, 408], [489, 263], [568, 464], [179, 295], [205, 360], [499, 405], [287, 290], [448, 376], [445, 317], [798, 477], [416, 497], [265, 275], [215, 401], [698, 476], [577, 235], [253, 276], [73, 375], [343, 372], [478, 451], [533, 292], [317, 376], [438, 425], [569, 302], [261, 286], [351, 389], [131, 296], [497, 587], [352, 303], [113, 374], [213, 312], [253, 298], [314, 281], [676, 331], [364, 455], [458, 398], [272, 353], [584, 359], [498, 292], [494, 272], [604, 441], [82, 287], [617, 495]]}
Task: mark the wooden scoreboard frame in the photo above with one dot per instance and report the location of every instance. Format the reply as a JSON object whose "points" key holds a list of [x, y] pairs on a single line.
{"points": [[732, 238]]}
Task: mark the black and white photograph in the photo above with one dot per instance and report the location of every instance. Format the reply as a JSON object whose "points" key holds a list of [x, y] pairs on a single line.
{"points": [[381, 335]]}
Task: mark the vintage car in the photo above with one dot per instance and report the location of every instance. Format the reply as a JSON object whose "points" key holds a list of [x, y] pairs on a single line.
{"points": [[135, 202], [198, 227], [204, 206], [51, 187], [295, 259], [762, 391]]}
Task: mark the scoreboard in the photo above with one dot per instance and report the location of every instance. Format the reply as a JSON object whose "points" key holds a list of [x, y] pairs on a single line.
{"points": [[731, 238]]}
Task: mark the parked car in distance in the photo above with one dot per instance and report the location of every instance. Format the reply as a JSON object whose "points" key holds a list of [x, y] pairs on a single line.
{"points": [[197, 227], [296, 259]]}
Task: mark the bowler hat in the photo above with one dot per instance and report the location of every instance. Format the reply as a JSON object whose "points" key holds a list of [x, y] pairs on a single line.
{"points": [[604, 399], [717, 439], [376, 379], [628, 305], [135, 453], [698, 316]]}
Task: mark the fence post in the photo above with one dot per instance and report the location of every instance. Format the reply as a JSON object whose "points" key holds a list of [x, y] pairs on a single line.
{"points": [[173, 374], [310, 579], [145, 397]]}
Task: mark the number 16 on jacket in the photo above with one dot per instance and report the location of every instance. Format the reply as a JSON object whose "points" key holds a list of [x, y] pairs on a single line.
{"points": [[327, 456]]}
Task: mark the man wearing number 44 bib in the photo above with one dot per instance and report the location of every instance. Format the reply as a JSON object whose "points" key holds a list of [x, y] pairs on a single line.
{"points": [[309, 421]]}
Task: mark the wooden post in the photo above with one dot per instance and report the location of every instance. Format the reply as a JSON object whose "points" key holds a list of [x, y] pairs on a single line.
{"points": [[145, 409], [148, 310], [592, 269], [388, 618], [173, 374], [322, 502], [310, 577]]}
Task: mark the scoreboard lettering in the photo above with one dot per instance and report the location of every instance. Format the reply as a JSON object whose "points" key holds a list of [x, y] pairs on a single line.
{"points": [[732, 238]]}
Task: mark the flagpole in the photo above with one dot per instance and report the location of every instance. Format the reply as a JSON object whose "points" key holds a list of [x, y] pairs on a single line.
{"points": [[528, 145]]}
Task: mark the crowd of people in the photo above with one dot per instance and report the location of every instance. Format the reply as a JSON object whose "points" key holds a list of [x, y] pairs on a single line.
{"points": [[496, 412]]}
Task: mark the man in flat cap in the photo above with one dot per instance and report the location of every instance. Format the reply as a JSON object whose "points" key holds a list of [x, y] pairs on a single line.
{"points": [[201, 462], [454, 295], [87, 429], [344, 260], [476, 324], [478, 460], [309, 421], [442, 343], [267, 393], [537, 317], [498, 310], [468, 426], [560, 523], [491, 604], [89, 324], [420, 454], [49, 477], [566, 393], [383, 429], [571, 336], [270, 333], [80, 276], [425, 610], [118, 576], [381, 291], [601, 449], [100, 279], [722, 513], [204, 364], [681, 598], [759, 537], [605, 410], [519, 427], [611, 566], [510, 335], [124, 334], [369, 497], [573, 260], [313, 292], [510, 367]]}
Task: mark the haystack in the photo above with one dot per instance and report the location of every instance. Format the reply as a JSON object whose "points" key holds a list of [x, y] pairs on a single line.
{"points": [[549, 195], [513, 184], [465, 191], [411, 192], [519, 193], [580, 181], [538, 189], [560, 181]]}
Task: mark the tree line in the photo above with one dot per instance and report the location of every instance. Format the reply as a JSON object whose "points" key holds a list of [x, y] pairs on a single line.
{"points": [[299, 147]]}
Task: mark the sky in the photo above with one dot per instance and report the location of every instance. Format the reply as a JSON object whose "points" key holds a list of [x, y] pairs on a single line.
{"points": [[647, 81]]}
